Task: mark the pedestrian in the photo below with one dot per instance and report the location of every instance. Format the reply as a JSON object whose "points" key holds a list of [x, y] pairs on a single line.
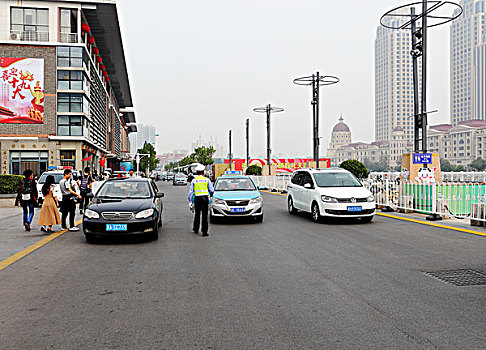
{"points": [[131, 173], [95, 176], [199, 192], [49, 215], [68, 205], [85, 185], [27, 197]]}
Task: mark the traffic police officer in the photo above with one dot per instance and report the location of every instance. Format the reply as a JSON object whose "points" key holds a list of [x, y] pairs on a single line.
{"points": [[199, 192]]}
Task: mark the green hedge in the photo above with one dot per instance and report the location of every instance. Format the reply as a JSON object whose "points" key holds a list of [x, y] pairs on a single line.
{"points": [[9, 183]]}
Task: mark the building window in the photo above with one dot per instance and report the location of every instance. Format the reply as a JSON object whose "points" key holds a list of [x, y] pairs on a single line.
{"points": [[72, 103], [68, 28], [30, 24], [33, 160], [68, 125], [71, 56], [70, 80], [68, 158]]}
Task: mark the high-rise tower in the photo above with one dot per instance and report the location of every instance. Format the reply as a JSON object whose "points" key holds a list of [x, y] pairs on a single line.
{"points": [[468, 63], [394, 82]]}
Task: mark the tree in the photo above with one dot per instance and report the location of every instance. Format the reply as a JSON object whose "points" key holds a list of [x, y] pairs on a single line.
{"points": [[382, 165], [149, 161], [479, 164], [445, 165], [254, 169], [188, 160], [356, 167], [204, 155]]}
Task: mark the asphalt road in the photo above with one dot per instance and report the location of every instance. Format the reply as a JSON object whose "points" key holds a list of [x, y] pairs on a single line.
{"points": [[287, 283]]}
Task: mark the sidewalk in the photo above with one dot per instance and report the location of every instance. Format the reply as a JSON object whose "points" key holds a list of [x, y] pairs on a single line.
{"points": [[13, 237], [461, 224]]}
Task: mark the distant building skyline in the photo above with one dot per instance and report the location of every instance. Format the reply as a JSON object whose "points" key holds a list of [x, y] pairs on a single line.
{"points": [[468, 63], [145, 133], [393, 81]]}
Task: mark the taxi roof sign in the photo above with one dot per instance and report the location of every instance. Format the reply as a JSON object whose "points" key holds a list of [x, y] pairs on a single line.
{"points": [[233, 172]]}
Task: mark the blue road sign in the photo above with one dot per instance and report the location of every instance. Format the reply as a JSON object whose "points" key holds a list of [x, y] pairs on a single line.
{"points": [[422, 158]]}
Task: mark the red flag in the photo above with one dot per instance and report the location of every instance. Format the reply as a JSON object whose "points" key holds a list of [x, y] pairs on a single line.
{"points": [[102, 162], [86, 159]]}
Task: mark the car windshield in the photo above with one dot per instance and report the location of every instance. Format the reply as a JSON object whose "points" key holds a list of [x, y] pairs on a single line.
{"points": [[337, 179], [57, 178], [180, 176], [239, 184], [124, 189]]}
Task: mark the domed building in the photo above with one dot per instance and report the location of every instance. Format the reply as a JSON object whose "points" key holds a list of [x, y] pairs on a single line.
{"points": [[340, 136]]}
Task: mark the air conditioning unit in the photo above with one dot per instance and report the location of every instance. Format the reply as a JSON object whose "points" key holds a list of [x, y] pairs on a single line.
{"points": [[15, 36]]}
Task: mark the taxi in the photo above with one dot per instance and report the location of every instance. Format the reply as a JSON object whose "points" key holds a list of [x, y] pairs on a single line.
{"points": [[236, 196]]}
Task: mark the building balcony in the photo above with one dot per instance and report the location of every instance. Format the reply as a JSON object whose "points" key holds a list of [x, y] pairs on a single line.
{"points": [[29, 36], [68, 38]]}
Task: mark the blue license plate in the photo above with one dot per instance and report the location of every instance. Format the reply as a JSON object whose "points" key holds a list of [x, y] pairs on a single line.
{"points": [[237, 210], [116, 227], [354, 209]]}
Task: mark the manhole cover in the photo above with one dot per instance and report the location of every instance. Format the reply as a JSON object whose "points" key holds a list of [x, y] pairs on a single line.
{"points": [[460, 278]]}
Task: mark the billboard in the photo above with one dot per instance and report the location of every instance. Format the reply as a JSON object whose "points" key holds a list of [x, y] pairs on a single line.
{"points": [[284, 165], [21, 90]]}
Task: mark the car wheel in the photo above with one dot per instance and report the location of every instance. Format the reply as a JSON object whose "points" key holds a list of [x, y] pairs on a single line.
{"points": [[367, 219], [259, 219], [89, 237], [290, 206], [316, 214]]}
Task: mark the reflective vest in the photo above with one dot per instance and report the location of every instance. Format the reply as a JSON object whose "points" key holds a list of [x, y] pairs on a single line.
{"points": [[201, 186]]}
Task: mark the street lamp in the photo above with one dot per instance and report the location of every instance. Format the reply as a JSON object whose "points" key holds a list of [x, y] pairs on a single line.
{"points": [[316, 80], [268, 109]]}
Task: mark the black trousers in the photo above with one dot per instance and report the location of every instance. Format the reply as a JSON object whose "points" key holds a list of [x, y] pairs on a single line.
{"points": [[68, 206], [84, 200], [201, 204]]}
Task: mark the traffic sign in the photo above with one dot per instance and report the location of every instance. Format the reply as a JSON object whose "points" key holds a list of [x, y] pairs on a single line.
{"points": [[422, 158]]}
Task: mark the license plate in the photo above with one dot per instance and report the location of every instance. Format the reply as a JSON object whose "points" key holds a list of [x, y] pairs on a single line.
{"points": [[237, 210], [355, 209], [116, 227]]}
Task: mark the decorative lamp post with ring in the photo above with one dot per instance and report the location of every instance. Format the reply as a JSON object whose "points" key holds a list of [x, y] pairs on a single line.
{"points": [[316, 80], [268, 109]]}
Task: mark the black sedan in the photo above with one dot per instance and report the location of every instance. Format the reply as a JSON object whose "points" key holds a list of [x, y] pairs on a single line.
{"points": [[125, 206]]}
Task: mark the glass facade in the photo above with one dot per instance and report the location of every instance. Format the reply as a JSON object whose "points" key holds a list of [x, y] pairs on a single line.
{"points": [[30, 23], [72, 56], [36, 161], [68, 125]]}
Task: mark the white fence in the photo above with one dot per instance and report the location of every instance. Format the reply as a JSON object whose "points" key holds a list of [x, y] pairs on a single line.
{"points": [[447, 199], [470, 177]]}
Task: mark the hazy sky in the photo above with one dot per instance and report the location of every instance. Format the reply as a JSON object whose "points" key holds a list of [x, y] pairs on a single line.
{"points": [[200, 67]]}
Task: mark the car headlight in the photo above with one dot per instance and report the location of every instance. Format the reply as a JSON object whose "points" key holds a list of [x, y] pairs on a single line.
{"points": [[371, 198], [328, 199], [144, 214], [91, 214], [257, 200], [218, 201]]}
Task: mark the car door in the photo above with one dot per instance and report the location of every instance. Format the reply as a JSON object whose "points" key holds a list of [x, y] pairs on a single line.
{"points": [[296, 187], [307, 193], [158, 201]]}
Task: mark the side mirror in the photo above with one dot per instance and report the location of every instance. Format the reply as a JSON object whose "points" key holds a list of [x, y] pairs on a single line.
{"points": [[159, 195], [90, 195], [261, 187], [308, 186]]}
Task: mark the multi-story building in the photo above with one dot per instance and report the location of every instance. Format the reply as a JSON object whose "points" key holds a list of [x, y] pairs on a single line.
{"points": [[65, 96], [145, 133], [214, 143], [468, 63], [393, 82]]}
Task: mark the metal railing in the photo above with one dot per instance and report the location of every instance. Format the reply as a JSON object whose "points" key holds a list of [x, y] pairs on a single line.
{"points": [[29, 36], [69, 38], [277, 183]]}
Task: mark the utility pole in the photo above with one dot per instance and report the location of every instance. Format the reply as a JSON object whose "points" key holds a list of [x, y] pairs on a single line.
{"points": [[268, 109], [316, 80], [230, 156], [247, 142]]}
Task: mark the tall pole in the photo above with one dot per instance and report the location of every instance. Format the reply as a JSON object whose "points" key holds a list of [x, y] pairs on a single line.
{"points": [[269, 150], [416, 110], [316, 135], [247, 142], [138, 162], [230, 155], [424, 76]]}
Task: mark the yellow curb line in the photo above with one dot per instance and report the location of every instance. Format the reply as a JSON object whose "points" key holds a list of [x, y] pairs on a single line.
{"points": [[413, 220], [19, 255]]}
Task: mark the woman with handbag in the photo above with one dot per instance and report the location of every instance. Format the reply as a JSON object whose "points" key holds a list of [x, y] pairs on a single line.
{"points": [[49, 215], [27, 197]]}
